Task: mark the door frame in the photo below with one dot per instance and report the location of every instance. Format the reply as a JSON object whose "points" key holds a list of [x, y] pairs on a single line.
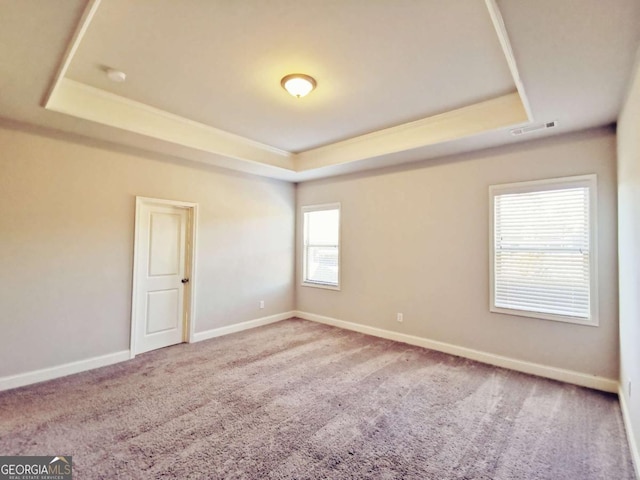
{"points": [[189, 314]]}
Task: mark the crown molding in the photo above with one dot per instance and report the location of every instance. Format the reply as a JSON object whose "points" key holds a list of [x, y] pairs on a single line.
{"points": [[499, 112], [85, 20], [505, 43], [90, 103]]}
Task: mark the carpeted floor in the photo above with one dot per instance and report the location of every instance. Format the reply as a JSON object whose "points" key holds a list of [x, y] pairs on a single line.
{"points": [[299, 400]]}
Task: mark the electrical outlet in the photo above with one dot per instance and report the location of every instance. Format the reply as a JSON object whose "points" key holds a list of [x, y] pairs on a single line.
{"points": [[261, 303], [400, 317]]}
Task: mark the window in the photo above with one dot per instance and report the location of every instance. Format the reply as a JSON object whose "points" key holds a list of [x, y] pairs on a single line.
{"points": [[321, 247], [543, 249]]}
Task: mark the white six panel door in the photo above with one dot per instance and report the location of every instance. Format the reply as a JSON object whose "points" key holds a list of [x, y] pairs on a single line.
{"points": [[161, 257]]}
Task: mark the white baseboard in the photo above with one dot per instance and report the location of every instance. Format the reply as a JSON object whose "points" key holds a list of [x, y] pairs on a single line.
{"points": [[633, 446], [568, 376], [22, 379], [28, 378], [239, 327]]}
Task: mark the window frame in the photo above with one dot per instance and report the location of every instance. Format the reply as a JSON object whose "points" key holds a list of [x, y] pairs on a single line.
{"points": [[561, 183], [318, 208]]}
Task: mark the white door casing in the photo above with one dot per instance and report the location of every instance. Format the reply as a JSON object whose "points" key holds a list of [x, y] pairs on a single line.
{"points": [[163, 274]]}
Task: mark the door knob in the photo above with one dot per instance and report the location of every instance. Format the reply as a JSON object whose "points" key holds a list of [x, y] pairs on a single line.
{"points": [[185, 280]]}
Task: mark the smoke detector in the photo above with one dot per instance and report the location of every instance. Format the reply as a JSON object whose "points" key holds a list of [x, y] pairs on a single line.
{"points": [[116, 75]]}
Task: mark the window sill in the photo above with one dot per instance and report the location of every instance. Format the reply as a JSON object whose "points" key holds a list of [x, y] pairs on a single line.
{"points": [[546, 316], [321, 285]]}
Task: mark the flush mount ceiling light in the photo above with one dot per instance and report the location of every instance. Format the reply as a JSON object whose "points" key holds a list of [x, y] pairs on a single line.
{"points": [[298, 84]]}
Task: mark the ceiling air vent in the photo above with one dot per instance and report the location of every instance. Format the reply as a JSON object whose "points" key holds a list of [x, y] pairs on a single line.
{"points": [[533, 128]]}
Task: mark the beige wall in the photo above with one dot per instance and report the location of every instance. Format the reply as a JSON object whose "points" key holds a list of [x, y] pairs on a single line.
{"points": [[415, 240], [629, 252], [66, 246]]}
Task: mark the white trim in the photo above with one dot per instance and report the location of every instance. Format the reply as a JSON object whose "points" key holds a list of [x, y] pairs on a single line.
{"points": [[192, 235], [500, 112], [90, 103], [548, 183], [321, 208], [35, 376], [626, 417], [568, 376], [193, 261], [239, 327], [162, 201], [134, 279], [83, 101], [177, 118], [591, 182], [28, 378], [88, 14], [541, 316], [505, 43], [326, 286]]}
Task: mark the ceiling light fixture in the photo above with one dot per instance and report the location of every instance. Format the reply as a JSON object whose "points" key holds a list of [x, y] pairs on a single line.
{"points": [[116, 75], [298, 84]]}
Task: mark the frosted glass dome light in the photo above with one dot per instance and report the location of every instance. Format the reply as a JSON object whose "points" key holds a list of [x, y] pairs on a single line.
{"points": [[298, 84]]}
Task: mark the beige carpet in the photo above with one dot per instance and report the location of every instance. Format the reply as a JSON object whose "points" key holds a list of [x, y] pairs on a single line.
{"points": [[299, 400]]}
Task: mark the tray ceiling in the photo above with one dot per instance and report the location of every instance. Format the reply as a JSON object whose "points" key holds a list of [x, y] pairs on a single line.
{"points": [[378, 64], [398, 81]]}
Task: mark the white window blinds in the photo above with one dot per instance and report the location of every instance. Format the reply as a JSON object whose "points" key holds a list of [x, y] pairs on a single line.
{"points": [[542, 249], [322, 245]]}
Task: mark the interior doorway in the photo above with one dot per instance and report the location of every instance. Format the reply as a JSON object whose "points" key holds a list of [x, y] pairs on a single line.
{"points": [[163, 296]]}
